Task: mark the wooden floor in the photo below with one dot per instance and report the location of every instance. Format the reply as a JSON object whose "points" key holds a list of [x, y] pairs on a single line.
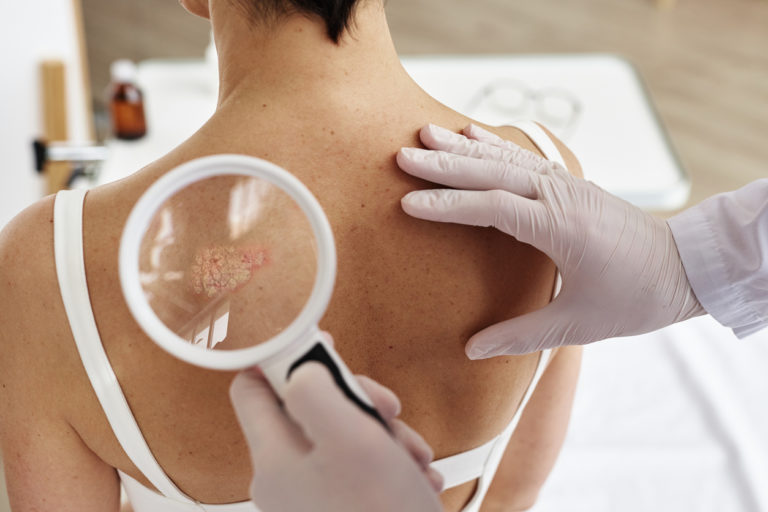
{"points": [[705, 61]]}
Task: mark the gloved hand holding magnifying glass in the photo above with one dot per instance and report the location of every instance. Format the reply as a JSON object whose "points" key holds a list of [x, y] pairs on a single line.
{"points": [[318, 451]]}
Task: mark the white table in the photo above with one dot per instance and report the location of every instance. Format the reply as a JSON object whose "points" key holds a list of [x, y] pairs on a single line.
{"points": [[616, 134]]}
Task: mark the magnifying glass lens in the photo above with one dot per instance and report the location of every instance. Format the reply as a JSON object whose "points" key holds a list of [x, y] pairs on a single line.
{"points": [[228, 262]]}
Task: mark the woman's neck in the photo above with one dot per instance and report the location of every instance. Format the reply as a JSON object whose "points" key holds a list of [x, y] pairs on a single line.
{"points": [[295, 64]]}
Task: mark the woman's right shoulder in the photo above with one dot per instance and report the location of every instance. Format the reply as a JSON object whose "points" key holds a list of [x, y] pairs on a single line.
{"points": [[26, 237], [34, 334], [27, 268]]}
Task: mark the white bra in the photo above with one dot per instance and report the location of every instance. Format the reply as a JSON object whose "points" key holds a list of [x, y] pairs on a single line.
{"points": [[479, 463]]}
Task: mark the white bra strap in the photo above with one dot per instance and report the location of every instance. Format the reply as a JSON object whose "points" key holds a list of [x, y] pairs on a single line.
{"points": [[472, 464], [544, 356], [70, 268], [500, 447], [465, 466], [541, 139]]}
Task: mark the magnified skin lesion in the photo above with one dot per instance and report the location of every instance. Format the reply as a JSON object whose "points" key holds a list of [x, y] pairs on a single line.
{"points": [[222, 269]]}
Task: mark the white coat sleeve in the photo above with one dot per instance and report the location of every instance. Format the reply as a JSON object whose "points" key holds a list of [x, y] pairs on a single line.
{"points": [[723, 243]]}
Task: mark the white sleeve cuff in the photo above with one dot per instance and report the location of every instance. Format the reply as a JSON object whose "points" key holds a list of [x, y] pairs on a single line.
{"points": [[704, 238]]}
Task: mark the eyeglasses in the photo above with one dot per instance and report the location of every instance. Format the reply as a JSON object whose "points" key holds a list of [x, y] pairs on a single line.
{"points": [[554, 107]]}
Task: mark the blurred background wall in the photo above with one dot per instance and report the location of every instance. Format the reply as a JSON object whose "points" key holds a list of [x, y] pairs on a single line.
{"points": [[705, 62], [138, 30]]}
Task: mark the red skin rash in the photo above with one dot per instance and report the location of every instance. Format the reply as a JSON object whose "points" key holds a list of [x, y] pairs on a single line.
{"points": [[225, 269]]}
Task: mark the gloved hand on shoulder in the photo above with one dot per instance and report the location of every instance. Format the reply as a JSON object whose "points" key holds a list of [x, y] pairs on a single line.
{"points": [[622, 274]]}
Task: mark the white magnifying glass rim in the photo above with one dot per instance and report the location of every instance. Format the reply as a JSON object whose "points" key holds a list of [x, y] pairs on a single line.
{"points": [[305, 324]]}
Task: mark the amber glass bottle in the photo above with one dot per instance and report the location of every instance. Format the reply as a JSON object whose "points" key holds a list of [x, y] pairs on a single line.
{"points": [[126, 102]]}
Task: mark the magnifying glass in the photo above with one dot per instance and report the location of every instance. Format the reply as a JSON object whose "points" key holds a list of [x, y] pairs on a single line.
{"points": [[227, 262]]}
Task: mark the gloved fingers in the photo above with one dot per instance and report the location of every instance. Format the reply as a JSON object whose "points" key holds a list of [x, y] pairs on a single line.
{"points": [[388, 405], [473, 131], [419, 450], [468, 173], [542, 329], [437, 138], [525, 158], [314, 401], [412, 441], [435, 479], [328, 338], [261, 416], [517, 216], [384, 399]]}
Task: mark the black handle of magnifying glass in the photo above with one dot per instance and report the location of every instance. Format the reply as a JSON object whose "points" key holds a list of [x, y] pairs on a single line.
{"points": [[319, 354]]}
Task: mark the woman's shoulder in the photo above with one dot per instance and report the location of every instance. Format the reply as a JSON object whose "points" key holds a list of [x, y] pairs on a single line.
{"points": [[520, 138], [30, 305], [26, 251]]}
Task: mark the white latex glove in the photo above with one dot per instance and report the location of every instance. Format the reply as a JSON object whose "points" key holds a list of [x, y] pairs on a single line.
{"points": [[319, 452], [622, 274]]}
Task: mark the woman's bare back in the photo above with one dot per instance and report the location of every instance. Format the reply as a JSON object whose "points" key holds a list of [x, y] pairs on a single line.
{"points": [[408, 296]]}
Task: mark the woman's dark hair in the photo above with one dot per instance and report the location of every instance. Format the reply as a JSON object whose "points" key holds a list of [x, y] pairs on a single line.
{"points": [[337, 14]]}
